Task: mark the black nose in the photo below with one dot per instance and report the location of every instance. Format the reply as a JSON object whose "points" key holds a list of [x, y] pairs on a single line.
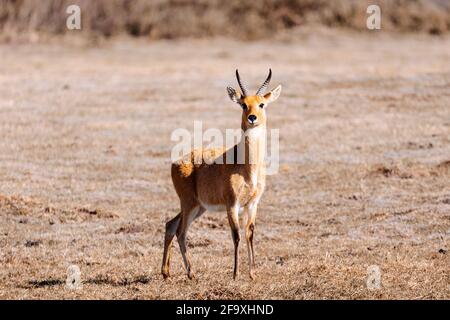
{"points": [[252, 118]]}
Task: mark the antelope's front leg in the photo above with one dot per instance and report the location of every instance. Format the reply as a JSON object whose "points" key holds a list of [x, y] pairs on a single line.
{"points": [[249, 234], [233, 219]]}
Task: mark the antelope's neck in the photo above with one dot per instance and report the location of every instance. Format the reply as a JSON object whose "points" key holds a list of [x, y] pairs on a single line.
{"points": [[254, 144]]}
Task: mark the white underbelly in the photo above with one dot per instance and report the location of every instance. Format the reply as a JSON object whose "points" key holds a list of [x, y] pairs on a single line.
{"points": [[216, 208]]}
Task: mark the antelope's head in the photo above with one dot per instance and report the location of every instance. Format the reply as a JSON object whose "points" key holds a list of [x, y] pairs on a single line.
{"points": [[253, 106]]}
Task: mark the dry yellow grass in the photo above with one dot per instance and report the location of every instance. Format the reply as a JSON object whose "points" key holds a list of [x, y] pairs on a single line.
{"points": [[364, 176]]}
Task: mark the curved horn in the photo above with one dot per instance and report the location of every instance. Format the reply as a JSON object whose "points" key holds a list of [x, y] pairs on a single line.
{"points": [[265, 84], [241, 85]]}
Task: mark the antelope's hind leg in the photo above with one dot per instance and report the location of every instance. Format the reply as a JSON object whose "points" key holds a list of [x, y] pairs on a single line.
{"points": [[193, 212], [171, 229]]}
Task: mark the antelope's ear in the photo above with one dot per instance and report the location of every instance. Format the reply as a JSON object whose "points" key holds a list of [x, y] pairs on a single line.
{"points": [[273, 95], [234, 96]]}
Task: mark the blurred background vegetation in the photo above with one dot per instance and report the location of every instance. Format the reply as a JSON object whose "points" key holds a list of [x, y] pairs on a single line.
{"points": [[243, 19]]}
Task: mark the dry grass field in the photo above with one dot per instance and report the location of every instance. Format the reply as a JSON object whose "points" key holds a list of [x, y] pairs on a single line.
{"points": [[243, 19], [364, 167]]}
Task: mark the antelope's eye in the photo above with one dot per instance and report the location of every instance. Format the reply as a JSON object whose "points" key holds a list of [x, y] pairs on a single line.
{"points": [[244, 106], [261, 105]]}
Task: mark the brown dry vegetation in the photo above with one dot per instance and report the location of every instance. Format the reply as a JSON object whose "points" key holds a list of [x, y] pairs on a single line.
{"points": [[364, 175], [245, 19]]}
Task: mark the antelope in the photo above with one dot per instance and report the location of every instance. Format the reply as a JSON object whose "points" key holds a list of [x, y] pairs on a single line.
{"points": [[224, 185]]}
